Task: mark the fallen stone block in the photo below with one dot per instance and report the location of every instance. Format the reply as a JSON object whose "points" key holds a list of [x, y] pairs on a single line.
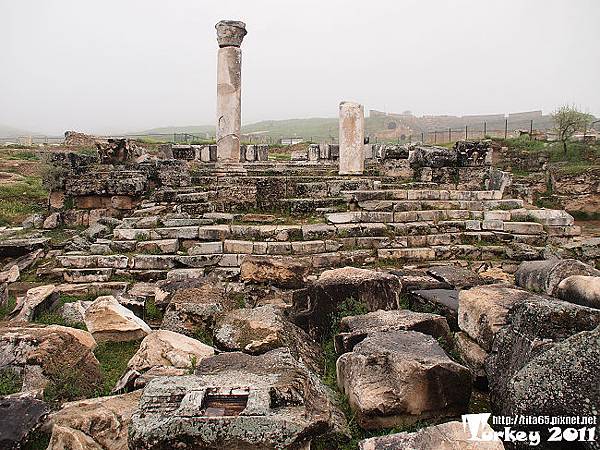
{"points": [[21, 417], [483, 311], [397, 378], [108, 320], [258, 330]]}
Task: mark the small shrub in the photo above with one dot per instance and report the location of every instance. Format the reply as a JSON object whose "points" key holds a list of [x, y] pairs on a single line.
{"points": [[11, 381], [203, 336], [152, 312]]}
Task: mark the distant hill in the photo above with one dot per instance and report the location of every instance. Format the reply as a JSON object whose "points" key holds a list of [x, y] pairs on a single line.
{"points": [[10, 132]]}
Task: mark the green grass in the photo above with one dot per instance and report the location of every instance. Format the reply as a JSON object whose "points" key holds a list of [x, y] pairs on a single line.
{"points": [[20, 155], [280, 156], [10, 381], [20, 199], [113, 358], [151, 310], [8, 306]]}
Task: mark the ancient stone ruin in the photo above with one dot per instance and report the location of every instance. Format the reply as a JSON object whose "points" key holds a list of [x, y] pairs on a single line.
{"points": [[360, 295]]}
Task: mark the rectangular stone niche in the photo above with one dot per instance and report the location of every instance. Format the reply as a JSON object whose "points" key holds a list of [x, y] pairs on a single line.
{"points": [[224, 403]]}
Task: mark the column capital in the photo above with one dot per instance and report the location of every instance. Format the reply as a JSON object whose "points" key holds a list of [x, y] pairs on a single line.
{"points": [[230, 33]]}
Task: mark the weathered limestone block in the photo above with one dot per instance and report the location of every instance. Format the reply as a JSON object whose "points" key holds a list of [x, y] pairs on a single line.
{"points": [[259, 330], [580, 289], [354, 329], [93, 423], [483, 311], [446, 436], [162, 349], [546, 361], [535, 325], [193, 307], [45, 355], [473, 356], [400, 377], [545, 276], [352, 136], [374, 290], [457, 277], [280, 271], [21, 417], [108, 320], [35, 301], [236, 400]]}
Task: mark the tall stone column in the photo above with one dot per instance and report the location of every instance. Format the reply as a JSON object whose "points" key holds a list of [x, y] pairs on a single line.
{"points": [[352, 139], [230, 34]]}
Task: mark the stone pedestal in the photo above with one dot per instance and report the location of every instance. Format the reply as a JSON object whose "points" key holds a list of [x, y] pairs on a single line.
{"points": [[229, 64], [352, 137]]}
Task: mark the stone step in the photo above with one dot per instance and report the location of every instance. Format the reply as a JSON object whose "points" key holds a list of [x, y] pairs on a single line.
{"points": [[302, 206], [227, 252], [420, 194], [424, 205], [162, 240]]}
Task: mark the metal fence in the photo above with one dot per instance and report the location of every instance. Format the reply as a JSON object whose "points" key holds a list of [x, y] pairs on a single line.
{"points": [[434, 136]]}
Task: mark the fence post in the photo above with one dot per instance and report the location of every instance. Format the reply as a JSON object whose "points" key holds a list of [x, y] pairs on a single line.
{"points": [[484, 129], [505, 128], [435, 137], [449, 134], [422, 137], [531, 129], [466, 132]]}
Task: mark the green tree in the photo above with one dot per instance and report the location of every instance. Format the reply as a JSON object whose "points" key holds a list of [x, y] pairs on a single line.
{"points": [[568, 120]]}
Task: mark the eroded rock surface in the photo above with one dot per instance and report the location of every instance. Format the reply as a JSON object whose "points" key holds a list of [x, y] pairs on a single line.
{"points": [[20, 417], [536, 326], [283, 271]]}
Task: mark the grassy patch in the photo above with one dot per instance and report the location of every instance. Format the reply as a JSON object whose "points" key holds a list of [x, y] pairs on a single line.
{"points": [[280, 156], [8, 306], [113, 358], [20, 199], [10, 381], [24, 155], [65, 387], [54, 318], [151, 310]]}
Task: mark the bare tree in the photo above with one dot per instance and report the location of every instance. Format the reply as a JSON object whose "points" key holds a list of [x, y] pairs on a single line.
{"points": [[568, 120]]}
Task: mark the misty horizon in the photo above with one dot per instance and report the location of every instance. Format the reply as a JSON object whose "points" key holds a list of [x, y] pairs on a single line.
{"points": [[116, 67]]}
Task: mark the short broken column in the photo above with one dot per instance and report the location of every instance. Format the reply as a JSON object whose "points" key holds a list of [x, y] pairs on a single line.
{"points": [[352, 139], [229, 90]]}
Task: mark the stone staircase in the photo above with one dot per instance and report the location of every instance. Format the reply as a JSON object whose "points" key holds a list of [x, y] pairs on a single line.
{"points": [[324, 220]]}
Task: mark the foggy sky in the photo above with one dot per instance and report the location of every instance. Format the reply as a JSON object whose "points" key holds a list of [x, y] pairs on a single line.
{"points": [[124, 65]]}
